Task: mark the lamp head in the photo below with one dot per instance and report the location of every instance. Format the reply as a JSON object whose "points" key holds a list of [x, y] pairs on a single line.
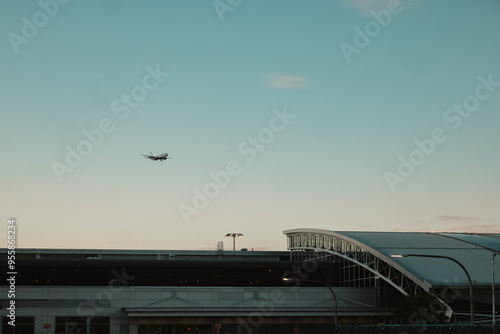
{"points": [[290, 279], [234, 235]]}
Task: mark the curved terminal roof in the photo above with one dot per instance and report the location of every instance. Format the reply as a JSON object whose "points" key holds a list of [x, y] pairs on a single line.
{"points": [[473, 251]]}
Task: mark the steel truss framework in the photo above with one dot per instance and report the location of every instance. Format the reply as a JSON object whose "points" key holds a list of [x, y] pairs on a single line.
{"points": [[356, 254]]}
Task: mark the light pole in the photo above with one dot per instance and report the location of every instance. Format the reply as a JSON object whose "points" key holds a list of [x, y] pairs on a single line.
{"points": [[285, 279], [461, 266], [234, 235], [494, 252], [493, 288]]}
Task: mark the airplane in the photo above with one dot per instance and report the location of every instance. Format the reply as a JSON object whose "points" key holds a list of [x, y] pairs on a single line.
{"points": [[163, 156]]}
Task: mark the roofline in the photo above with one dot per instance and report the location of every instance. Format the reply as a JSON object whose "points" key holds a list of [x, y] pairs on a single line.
{"points": [[143, 251], [424, 284]]}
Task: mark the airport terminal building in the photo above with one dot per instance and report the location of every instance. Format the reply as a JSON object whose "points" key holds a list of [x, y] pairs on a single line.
{"points": [[326, 280]]}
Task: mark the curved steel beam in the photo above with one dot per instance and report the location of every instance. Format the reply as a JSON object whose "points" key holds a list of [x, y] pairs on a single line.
{"points": [[391, 264], [388, 280]]}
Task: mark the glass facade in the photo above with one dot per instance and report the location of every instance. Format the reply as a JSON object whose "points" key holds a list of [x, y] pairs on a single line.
{"points": [[24, 325], [78, 325]]}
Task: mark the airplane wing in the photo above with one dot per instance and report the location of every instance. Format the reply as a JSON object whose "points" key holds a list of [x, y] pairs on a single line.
{"points": [[157, 157]]}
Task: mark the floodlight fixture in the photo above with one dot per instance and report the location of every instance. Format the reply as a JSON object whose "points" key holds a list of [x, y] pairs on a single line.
{"points": [[234, 235]]}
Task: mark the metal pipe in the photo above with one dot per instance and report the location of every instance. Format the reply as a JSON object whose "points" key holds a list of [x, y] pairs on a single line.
{"points": [[493, 287], [466, 273], [328, 286]]}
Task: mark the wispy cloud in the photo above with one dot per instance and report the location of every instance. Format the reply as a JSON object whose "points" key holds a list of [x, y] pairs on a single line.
{"points": [[449, 223], [286, 81], [364, 7], [457, 219], [493, 228]]}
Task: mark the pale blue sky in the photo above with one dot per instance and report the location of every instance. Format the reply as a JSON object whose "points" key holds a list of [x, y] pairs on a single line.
{"points": [[327, 168]]}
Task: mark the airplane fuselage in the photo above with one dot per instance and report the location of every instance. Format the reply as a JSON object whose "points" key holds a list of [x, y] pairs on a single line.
{"points": [[160, 157]]}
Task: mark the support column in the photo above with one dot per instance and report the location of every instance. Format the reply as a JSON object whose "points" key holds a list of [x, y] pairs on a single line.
{"points": [[115, 326], [133, 329], [45, 319]]}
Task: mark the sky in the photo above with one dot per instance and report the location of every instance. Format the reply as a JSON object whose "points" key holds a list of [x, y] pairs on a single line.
{"points": [[341, 115]]}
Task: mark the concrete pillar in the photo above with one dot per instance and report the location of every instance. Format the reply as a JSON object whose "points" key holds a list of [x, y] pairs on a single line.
{"points": [[45, 319], [118, 325], [133, 329]]}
